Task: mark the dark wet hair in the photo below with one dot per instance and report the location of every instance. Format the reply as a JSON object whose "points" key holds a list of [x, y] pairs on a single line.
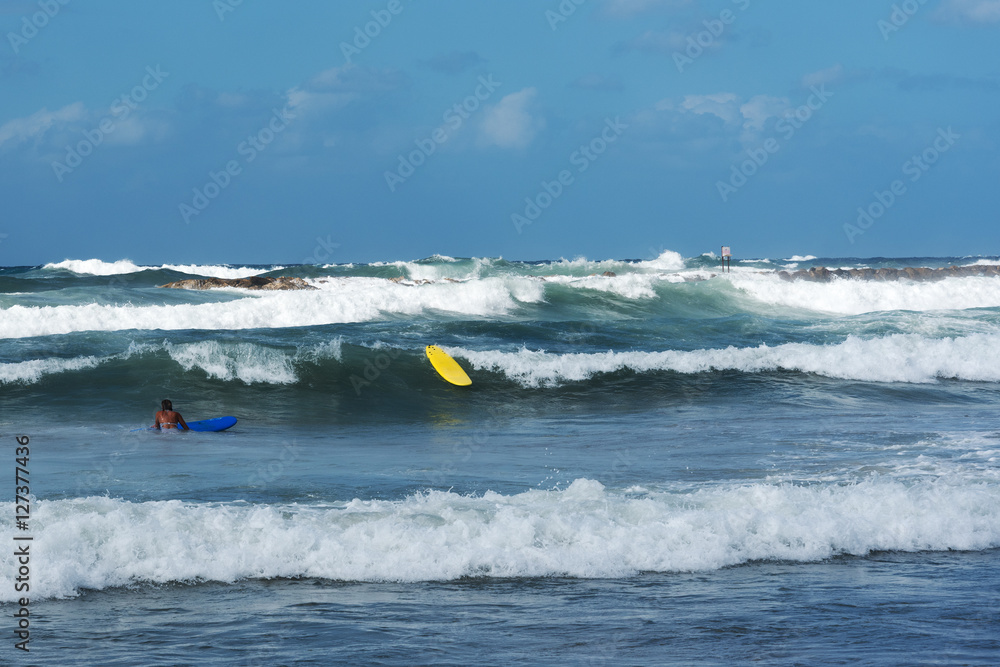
{"points": [[166, 404]]}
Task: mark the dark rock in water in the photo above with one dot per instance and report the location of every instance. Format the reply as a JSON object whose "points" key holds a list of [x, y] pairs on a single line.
{"points": [[822, 274], [609, 274], [253, 282]]}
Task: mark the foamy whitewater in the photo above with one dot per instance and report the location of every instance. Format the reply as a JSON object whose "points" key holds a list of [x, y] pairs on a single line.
{"points": [[655, 461]]}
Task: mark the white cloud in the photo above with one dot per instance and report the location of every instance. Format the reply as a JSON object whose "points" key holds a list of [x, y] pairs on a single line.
{"points": [[135, 130], [356, 79], [724, 105], [630, 8], [760, 108], [38, 123], [305, 101], [54, 128], [510, 123], [749, 117], [337, 87], [971, 11], [829, 75]]}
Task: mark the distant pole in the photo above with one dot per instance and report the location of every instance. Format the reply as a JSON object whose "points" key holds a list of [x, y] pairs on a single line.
{"points": [[727, 259]]}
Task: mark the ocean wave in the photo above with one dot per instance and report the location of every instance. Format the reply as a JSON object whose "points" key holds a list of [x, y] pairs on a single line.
{"points": [[250, 363], [489, 289], [246, 362], [33, 370], [984, 261], [583, 531], [441, 267], [337, 301], [845, 296], [633, 286], [97, 267], [896, 358]]}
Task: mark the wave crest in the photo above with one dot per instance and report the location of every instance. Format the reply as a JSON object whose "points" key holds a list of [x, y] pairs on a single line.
{"points": [[896, 358], [583, 531]]}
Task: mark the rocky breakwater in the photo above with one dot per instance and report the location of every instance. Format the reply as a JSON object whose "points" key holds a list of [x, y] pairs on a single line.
{"points": [[823, 274], [253, 282]]}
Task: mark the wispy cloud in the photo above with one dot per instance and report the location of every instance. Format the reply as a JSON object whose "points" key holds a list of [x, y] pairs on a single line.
{"points": [[511, 124], [761, 108], [35, 126], [829, 75], [629, 8], [970, 11], [722, 105], [337, 87], [746, 118]]}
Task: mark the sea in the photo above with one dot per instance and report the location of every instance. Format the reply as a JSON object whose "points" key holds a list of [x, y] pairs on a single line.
{"points": [[657, 463]]}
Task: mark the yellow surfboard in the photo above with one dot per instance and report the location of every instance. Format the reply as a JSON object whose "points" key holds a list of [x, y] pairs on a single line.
{"points": [[447, 367]]}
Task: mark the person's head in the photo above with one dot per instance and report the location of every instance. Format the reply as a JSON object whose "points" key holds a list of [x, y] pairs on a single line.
{"points": [[166, 404]]}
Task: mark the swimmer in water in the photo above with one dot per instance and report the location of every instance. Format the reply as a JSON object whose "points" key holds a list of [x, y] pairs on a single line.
{"points": [[167, 418]]}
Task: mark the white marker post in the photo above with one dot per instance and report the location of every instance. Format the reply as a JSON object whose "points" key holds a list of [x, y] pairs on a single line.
{"points": [[727, 259]]}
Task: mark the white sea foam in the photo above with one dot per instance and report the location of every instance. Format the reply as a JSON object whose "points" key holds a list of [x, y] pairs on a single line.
{"points": [[630, 285], [852, 297], [667, 261], [895, 358], [29, 372], [445, 268], [358, 299], [99, 267], [246, 362], [331, 349], [583, 531], [249, 363], [339, 300], [211, 271], [95, 267]]}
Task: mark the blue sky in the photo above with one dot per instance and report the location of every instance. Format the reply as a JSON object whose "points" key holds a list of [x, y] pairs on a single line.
{"points": [[227, 131]]}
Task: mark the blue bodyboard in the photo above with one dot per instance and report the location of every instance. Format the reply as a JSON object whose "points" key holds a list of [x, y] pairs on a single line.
{"points": [[217, 424]]}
